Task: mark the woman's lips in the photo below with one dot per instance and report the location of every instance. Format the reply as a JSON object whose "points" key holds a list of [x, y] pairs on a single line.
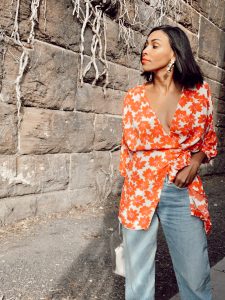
{"points": [[144, 61]]}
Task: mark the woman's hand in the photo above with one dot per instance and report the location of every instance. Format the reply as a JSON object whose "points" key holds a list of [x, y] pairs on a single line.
{"points": [[186, 175]]}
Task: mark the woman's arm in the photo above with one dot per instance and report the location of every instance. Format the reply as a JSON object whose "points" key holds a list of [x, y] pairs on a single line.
{"points": [[198, 158], [207, 151]]}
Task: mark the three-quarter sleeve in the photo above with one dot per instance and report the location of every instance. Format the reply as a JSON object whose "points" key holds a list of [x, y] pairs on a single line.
{"points": [[210, 141], [124, 150]]}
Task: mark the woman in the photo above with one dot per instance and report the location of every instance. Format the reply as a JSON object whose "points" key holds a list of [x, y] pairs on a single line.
{"points": [[168, 133]]}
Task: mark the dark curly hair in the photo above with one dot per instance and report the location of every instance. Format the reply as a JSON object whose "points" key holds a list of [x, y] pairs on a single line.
{"points": [[186, 70]]}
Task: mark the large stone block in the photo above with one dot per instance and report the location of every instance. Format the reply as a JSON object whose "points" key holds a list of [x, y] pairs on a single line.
{"points": [[8, 129], [33, 174], [8, 12], [185, 15], [93, 176], [120, 77], [17, 208], [10, 71], [116, 48], [211, 47], [219, 165], [211, 71], [202, 6], [108, 131], [220, 120], [219, 106], [216, 12], [193, 38], [220, 133], [49, 81], [65, 33], [82, 170], [52, 78], [91, 98], [49, 131], [217, 89]]}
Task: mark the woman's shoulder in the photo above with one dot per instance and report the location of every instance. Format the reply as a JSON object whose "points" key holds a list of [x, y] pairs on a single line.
{"points": [[201, 87], [133, 94], [136, 89]]}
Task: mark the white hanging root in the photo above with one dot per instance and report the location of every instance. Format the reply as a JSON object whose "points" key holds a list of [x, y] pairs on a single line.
{"points": [[96, 44], [97, 19], [87, 16], [106, 67], [34, 19], [96, 40], [15, 34], [23, 61], [22, 65]]}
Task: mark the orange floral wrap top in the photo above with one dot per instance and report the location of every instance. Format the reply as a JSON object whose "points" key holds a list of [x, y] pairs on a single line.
{"points": [[148, 153]]}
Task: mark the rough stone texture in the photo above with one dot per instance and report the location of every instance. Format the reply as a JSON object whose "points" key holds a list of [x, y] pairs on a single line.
{"points": [[55, 87], [186, 16], [10, 65], [91, 99], [211, 71], [212, 52], [212, 10], [8, 129], [95, 175], [221, 136], [50, 131], [33, 174], [217, 89], [127, 78], [66, 151], [55, 32], [220, 120], [17, 208], [108, 131], [219, 106], [82, 170], [191, 36], [116, 51]]}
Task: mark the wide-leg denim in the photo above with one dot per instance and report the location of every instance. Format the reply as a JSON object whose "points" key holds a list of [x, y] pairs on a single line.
{"points": [[187, 243]]}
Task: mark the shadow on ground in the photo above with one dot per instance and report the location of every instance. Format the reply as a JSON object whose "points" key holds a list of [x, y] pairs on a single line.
{"points": [[90, 276]]}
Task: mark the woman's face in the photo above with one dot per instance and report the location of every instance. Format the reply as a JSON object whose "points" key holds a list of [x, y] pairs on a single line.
{"points": [[157, 52]]}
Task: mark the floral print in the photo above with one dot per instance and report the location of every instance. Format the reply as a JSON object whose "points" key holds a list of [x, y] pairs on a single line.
{"points": [[148, 152]]}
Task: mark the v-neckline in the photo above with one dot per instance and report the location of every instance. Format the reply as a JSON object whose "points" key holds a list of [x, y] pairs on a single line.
{"points": [[157, 118]]}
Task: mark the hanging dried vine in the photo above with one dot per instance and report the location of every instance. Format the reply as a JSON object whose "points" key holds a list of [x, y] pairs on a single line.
{"points": [[126, 13]]}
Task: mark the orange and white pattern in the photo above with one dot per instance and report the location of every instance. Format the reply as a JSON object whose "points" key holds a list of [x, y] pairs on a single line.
{"points": [[148, 153]]}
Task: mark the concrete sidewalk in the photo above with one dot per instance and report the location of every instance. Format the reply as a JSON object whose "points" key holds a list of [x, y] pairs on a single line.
{"points": [[218, 281]]}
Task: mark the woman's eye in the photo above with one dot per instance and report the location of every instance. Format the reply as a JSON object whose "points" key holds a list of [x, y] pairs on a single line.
{"points": [[146, 45]]}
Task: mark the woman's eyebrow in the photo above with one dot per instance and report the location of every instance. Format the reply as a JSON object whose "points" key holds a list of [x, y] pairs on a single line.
{"points": [[155, 40]]}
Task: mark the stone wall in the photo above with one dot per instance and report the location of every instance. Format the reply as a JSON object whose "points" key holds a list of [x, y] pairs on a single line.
{"points": [[65, 152]]}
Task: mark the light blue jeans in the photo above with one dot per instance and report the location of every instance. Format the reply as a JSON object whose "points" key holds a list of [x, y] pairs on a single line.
{"points": [[187, 243]]}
